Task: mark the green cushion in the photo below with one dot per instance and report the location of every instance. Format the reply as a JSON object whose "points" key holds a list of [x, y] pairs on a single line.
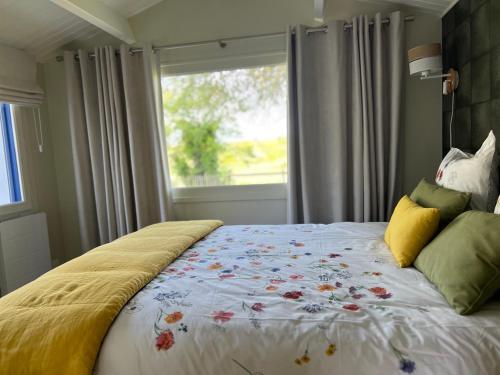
{"points": [[450, 203], [463, 261]]}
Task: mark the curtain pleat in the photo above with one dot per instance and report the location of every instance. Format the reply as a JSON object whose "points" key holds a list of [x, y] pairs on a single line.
{"points": [[345, 100], [118, 151]]}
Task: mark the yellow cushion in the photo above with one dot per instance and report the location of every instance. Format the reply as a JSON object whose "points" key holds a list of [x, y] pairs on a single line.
{"points": [[410, 229]]}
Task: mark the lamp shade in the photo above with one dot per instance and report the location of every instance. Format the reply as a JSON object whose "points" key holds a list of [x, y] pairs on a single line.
{"points": [[425, 59]]}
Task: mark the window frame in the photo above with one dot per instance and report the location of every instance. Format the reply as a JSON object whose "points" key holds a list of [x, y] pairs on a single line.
{"points": [[240, 54], [17, 143]]}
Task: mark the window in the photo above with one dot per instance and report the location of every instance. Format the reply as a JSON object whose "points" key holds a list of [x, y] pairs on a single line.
{"points": [[10, 181], [226, 127]]}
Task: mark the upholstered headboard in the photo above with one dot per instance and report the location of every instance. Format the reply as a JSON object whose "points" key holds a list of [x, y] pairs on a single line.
{"points": [[471, 44]]}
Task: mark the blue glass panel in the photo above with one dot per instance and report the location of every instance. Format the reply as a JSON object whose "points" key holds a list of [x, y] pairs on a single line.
{"points": [[10, 153]]}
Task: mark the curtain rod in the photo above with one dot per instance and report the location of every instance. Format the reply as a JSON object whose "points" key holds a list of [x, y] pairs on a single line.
{"points": [[223, 42]]}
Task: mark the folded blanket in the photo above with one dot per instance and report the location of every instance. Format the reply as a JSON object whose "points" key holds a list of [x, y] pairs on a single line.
{"points": [[56, 324]]}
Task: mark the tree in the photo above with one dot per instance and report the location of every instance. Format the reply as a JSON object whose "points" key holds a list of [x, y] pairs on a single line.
{"points": [[200, 109]]}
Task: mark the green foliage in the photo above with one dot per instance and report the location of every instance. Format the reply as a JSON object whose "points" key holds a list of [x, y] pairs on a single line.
{"points": [[200, 109]]}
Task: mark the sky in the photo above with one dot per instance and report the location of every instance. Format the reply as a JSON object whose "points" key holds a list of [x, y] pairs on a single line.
{"points": [[261, 124]]}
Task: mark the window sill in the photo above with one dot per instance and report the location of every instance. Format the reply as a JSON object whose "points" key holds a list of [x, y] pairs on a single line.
{"points": [[229, 193], [12, 210]]}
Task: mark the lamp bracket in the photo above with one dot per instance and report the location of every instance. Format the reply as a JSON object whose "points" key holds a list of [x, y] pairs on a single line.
{"points": [[433, 76], [450, 83]]}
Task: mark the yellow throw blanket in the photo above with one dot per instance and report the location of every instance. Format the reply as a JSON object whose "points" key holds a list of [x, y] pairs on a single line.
{"points": [[56, 324]]}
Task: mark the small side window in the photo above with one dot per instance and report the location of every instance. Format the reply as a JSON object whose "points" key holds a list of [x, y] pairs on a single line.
{"points": [[10, 180]]}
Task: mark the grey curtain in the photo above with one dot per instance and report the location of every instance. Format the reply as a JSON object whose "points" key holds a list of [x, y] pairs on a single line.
{"points": [[118, 144], [345, 111]]}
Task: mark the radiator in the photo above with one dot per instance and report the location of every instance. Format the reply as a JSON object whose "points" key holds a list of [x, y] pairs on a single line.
{"points": [[24, 251]]}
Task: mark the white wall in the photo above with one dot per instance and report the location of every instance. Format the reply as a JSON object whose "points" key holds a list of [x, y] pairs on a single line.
{"points": [[179, 21], [422, 130]]}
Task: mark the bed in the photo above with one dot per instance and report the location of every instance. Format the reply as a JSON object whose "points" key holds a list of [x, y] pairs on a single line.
{"points": [[296, 299]]}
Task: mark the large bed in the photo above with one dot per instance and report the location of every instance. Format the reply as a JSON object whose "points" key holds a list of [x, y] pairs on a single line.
{"points": [[296, 299]]}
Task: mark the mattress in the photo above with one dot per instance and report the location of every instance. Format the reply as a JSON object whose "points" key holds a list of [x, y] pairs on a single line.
{"points": [[296, 299]]}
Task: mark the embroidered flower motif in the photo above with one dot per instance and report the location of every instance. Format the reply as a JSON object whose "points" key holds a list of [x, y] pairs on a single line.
{"points": [[334, 255], [174, 317], [182, 328], [331, 350], [380, 292], [215, 266], [406, 365], [343, 265], [296, 294], [305, 359], [351, 307], [222, 316], [296, 277], [275, 269], [259, 307], [338, 284], [326, 288], [384, 296], [298, 244], [312, 308], [271, 288], [357, 296], [165, 340]]}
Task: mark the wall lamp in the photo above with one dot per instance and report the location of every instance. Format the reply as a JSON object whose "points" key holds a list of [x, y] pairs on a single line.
{"points": [[426, 61]]}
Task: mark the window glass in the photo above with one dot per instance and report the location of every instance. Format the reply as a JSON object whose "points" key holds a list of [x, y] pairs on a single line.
{"points": [[10, 182], [226, 127]]}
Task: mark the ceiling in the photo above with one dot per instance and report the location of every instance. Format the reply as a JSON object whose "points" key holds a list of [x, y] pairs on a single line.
{"points": [[129, 8], [40, 27], [436, 7]]}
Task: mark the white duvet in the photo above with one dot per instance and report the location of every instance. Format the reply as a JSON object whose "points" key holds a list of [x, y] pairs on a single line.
{"points": [[297, 299]]}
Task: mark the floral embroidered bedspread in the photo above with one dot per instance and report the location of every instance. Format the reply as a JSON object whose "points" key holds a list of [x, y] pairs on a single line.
{"points": [[296, 299]]}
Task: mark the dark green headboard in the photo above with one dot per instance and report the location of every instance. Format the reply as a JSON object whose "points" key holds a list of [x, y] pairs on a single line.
{"points": [[471, 44]]}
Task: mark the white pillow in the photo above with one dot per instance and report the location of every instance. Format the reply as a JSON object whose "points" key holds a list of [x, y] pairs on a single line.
{"points": [[476, 174], [497, 208]]}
